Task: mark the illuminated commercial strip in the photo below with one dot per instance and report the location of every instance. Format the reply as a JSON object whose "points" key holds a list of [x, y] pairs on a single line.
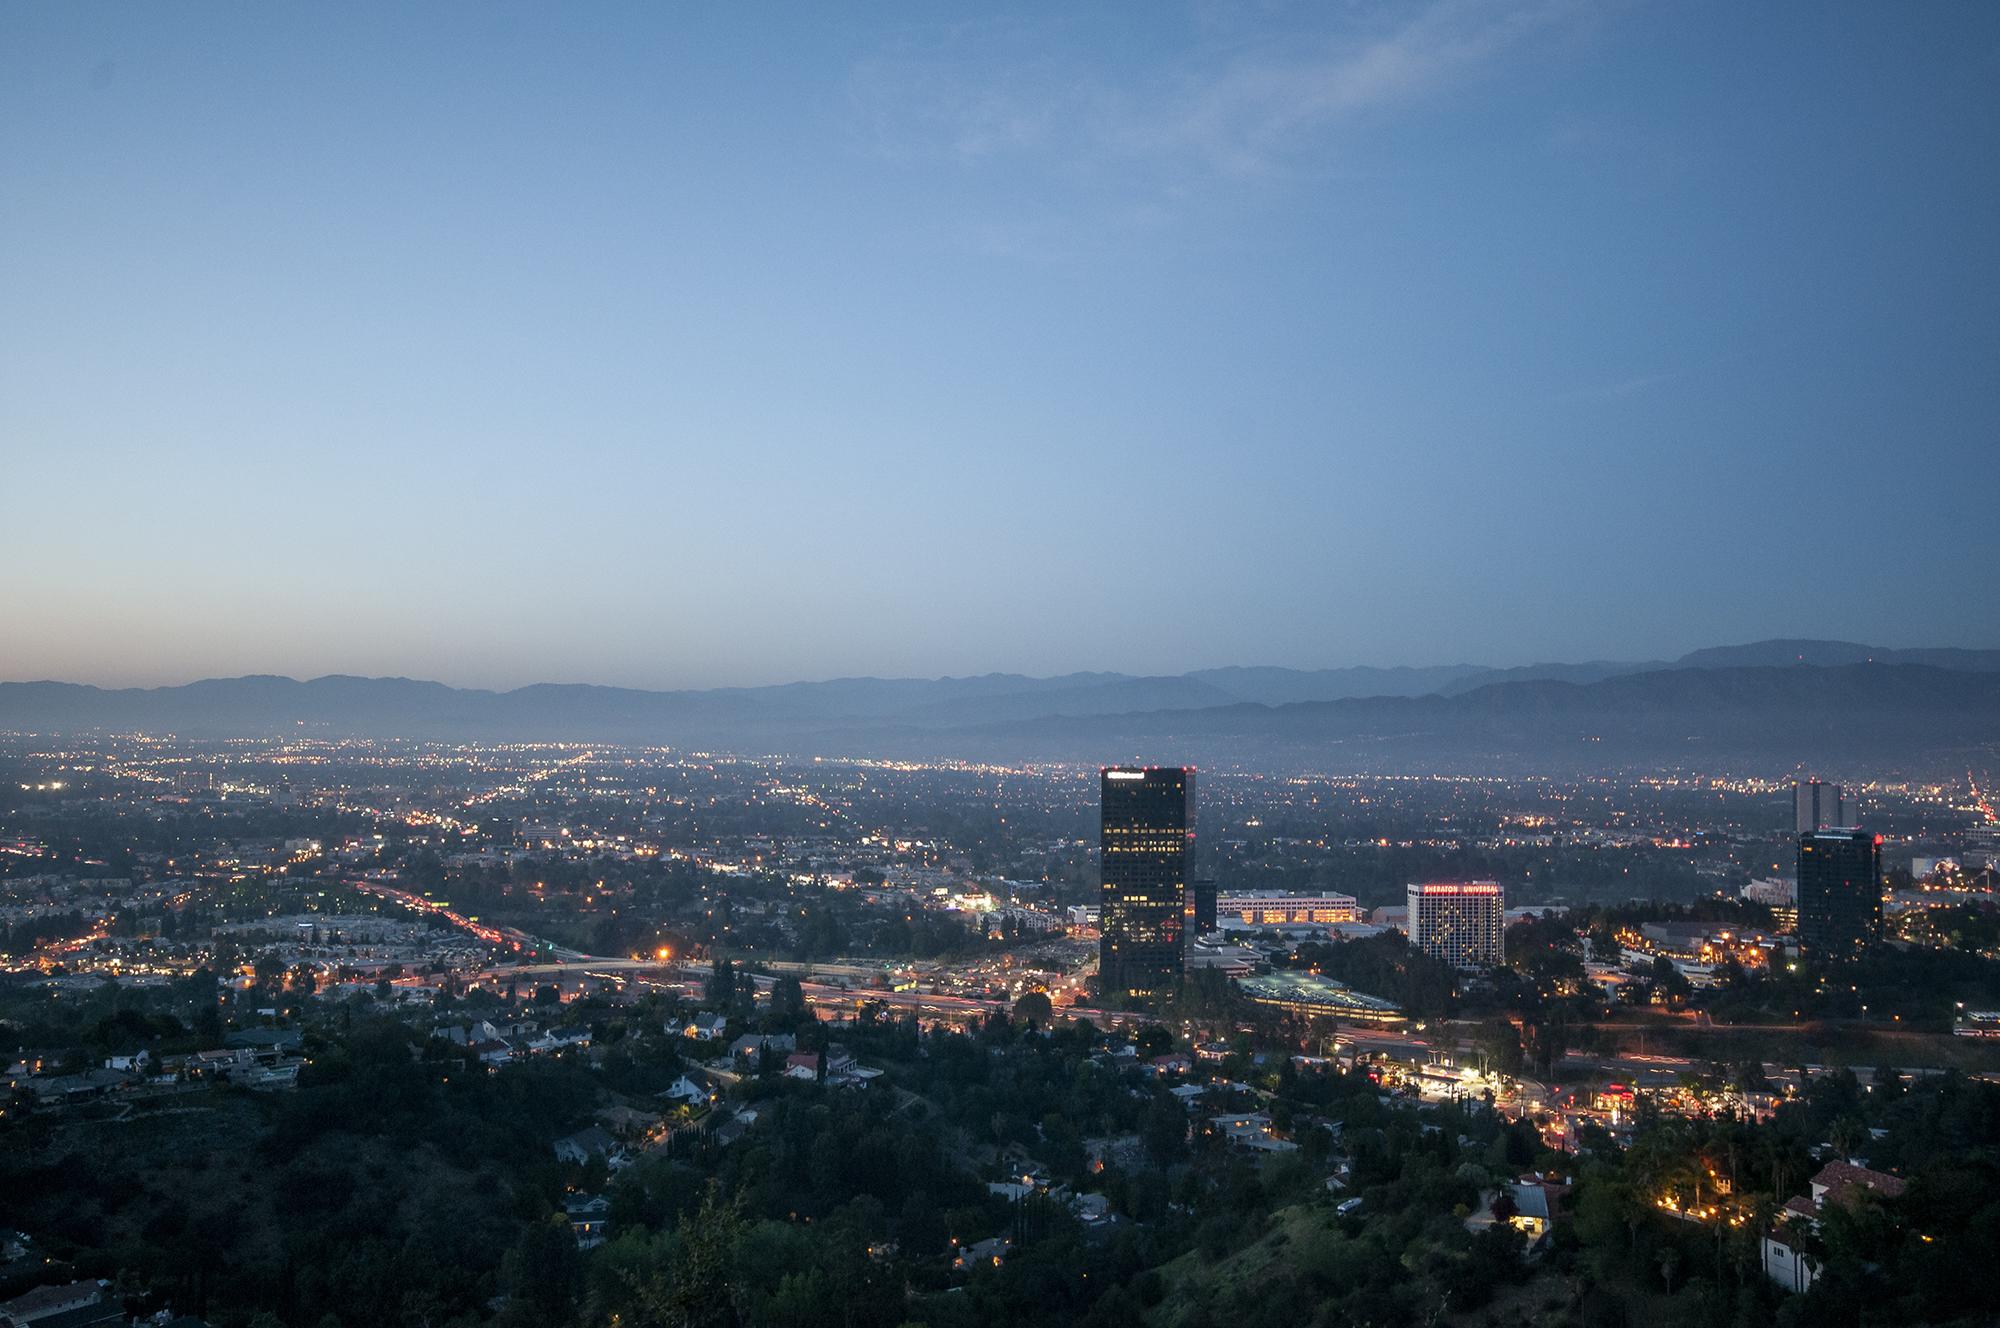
{"points": [[1697, 950]]}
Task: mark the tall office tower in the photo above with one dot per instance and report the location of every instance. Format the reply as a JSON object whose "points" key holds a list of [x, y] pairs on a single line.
{"points": [[1201, 907], [1817, 806], [1458, 922], [1147, 836], [1840, 893]]}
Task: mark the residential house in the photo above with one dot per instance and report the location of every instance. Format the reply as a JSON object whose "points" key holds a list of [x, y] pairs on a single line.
{"points": [[1531, 1205], [1091, 1209], [752, 1045], [627, 1122], [736, 1126], [560, 1039], [492, 1052], [1788, 1255], [585, 1144], [991, 1251], [467, 1035], [688, 1092], [59, 1089], [1251, 1130], [67, 1305], [271, 1042], [589, 1215], [704, 1027], [1537, 1205]]}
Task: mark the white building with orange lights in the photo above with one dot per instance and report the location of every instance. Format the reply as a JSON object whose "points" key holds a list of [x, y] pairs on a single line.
{"points": [[1460, 922]]}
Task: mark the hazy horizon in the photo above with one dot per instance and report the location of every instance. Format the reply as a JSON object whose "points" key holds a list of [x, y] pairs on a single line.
{"points": [[503, 686]]}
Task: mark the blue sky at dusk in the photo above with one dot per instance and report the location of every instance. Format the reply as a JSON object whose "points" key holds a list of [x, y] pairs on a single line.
{"points": [[667, 346]]}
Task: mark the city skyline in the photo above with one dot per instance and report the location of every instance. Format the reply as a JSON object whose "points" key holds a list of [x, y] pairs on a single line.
{"points": [[689, 350], [1123, 666]]}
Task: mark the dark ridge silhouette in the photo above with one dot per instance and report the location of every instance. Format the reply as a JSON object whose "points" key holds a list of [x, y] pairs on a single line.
{"points": [[1786, 701]]}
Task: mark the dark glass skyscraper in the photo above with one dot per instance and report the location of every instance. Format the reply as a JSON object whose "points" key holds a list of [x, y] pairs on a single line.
{"points": [[1840, 893], [1201, 906], [1821, 806], [1146, 836]]}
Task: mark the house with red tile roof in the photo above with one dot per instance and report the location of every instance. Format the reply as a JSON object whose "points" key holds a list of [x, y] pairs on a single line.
{"points": [[1788, 1254]]}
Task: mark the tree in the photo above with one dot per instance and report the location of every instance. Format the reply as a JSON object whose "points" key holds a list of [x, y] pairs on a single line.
{"points": [[1849, 1134], [544, 1272], [697, 1291], [721, 988], [1164, 1131], [1548, 1042], [1501, 1042], [788, 1000], [1034, 1009]]}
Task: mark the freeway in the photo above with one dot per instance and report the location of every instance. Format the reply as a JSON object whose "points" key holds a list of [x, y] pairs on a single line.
{"points": [[506, 937], [819, 995], [574, 963]]}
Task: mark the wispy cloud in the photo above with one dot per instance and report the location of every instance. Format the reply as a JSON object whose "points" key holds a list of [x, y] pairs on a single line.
{"points": [[1612, 391], [1237, 102], [1260, 106]]}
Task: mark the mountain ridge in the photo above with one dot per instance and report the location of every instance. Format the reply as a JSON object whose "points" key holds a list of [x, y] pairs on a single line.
{"points": [[1885, 708]]}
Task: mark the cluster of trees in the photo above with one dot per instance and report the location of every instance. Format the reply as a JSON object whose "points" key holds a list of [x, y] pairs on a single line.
{"points": [[1386, 966], [81, 1028], [22, 937], [1884, 1260], [106, 838], [675, 902], [1377, 875], [402, 1183], [385, 1190]]}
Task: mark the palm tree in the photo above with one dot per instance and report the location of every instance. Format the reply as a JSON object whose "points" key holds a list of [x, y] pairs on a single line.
{"points": [[1849, 1134], [1670, 1262], [1776, 1158], [1763, 1214]]}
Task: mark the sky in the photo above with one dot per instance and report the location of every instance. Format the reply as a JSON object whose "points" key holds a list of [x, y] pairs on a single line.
{"points": [[700, 345]]}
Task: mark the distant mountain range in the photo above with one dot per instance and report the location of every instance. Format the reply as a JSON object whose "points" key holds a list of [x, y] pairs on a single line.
{"points": [[1785, 701]]}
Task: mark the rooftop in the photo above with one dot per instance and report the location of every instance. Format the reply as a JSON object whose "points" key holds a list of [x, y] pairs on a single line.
{"points": [[1317, 991]]}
